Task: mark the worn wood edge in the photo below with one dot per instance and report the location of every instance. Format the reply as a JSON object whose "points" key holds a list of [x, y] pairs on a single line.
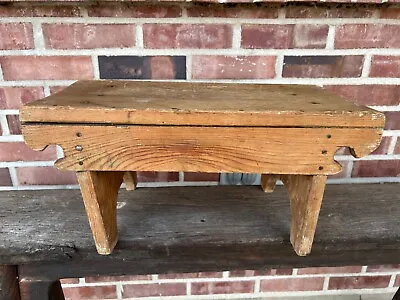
{"points": [[44, 114]]}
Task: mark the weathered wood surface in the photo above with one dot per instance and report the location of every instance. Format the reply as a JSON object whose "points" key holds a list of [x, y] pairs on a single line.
{"points": [[202, 149], [188, 103], [99, 192], [9, 287], [189, 229]]}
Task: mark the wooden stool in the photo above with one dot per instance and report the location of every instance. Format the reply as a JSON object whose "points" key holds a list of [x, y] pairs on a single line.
{"points": [[111, 129]]}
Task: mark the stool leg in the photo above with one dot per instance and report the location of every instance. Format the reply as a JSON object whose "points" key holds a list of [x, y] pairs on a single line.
{"points": [[130, 179], [305, 193], [99, 192], [268, 182]]}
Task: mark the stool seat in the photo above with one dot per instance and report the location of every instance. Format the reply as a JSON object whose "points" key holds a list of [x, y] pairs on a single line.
{"points": [[199, 104], [111, 129]]}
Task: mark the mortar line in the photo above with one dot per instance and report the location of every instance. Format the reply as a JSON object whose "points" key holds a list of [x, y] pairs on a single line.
{"points": [[189, 64], [4, 126], [326, 283], [199, 20], [38, 37], [139, 36], [366, 65], [330, 39], [236, 36], [95, 66], [286, 80], [139, 50], [392, 145], [13, 176]]}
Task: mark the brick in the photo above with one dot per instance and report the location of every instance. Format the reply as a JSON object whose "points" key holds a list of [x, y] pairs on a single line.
{"points": [[14, 124], [397, 282], [343, 173], [309, 36], [5, 179], [15, 97], [44, 176], [266, 36], [193, 36], [222, 287], [368, 94], [142, 67], [239, 11], [69, 280], [154, 290], [376, 168], [47, 67], [58, 10], [129, 10], [269, 272], [193, 176], [19, 151], [384, 268], [88, 36], [116, 278], [329, 270], [90, 292], [392, 120], [385, 66], [292, 284], [322, 66], [284, 36], [191, 275], [367, 36], [358, 282], [16, 36], [321, 11], [390, 13], [383, 147], [157, 176], [233, 67]]}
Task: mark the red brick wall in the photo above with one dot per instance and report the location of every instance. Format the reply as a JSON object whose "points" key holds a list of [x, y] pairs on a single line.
{"points": [[351, 49]]}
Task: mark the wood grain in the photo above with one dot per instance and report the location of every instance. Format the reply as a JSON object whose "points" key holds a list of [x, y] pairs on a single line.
{"points": [[9, 287], [201, 149], [130, 179], [203, 104], [305, 194], [268, 182], [99, 192], [243, 229]]}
